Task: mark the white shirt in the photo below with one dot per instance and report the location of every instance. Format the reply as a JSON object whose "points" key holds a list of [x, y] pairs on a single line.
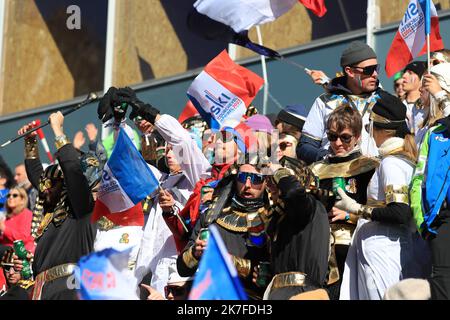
{"points": [[157, 248], [393, 170]]}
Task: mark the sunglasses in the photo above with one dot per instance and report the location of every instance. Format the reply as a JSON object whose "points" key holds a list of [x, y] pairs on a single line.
{"points": [[255, 178], [13, 195], [345, 138], [284, 145], [10, 269], [176, 291], [369, 70]]}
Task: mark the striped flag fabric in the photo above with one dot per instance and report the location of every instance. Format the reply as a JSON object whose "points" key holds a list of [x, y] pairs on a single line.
{"points": [[216, 278], [223, 91], [410, 39], [126, 181]]}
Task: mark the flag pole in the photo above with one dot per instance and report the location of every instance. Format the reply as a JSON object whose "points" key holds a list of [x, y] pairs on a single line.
{"points": [[428, 53], [264, 71], [427, 31]]}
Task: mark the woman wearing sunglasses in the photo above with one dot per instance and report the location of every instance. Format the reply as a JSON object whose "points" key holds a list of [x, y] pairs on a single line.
{"points": [[17, 225], [382, 249], [238, 209], [344, 162], [286, 146]]}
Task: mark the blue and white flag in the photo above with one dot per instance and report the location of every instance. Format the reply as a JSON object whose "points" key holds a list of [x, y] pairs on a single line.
{"points": [[101, 276], [216, 278], [126, 181]]}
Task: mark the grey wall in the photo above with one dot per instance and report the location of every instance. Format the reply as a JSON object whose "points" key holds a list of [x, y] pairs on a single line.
{"points": [[287, 84]]}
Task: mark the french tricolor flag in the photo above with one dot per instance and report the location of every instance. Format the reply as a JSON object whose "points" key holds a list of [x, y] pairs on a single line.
{"points": [[126, 181], [419, 20], [223, 91]]}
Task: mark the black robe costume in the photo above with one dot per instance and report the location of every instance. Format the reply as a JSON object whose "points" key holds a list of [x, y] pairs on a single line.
{"points": [[72, 236]]}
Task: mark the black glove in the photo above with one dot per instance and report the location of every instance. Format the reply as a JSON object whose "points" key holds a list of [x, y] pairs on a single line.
{"points": [[106, 105], [127, 95], [145, 110]]}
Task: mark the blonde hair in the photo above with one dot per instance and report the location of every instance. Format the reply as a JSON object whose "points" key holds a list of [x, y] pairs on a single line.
{"points": [[23, 194]]}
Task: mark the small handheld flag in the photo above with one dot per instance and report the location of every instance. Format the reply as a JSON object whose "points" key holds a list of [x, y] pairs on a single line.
{"points": [[126, 181], [216, 278], [101, 276], [420, 20]]}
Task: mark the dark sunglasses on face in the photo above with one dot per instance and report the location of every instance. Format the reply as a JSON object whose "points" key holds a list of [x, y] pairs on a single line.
{"points": [[284, 145], [14, 195], [369, 70], [255, 178], [176, 291], [345, 138], [10, 269]]}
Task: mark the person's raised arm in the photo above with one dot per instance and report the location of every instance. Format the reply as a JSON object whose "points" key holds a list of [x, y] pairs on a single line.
{"points": [[80, 196]]}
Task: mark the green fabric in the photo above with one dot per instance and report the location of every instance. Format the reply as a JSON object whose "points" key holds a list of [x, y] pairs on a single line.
{"points": [[398, 75], [108, 142], [419, 178]]}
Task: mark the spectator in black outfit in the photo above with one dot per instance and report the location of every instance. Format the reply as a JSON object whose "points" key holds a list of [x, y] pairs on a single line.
{"points": [[61, 219]]}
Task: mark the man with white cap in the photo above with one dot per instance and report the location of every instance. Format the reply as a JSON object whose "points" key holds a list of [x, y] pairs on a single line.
{"points": [[177, 287]]}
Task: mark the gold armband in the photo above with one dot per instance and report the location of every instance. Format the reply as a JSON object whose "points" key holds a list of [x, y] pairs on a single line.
{"points": [[243, 266], [281, 173], [397, 193], [188, 258], [61, 141], [31, 148], [365, 212]]}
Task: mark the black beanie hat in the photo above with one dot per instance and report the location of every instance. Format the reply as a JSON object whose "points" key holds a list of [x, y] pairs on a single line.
{"points": [[356, 52], [389, 112], [418, 67]]}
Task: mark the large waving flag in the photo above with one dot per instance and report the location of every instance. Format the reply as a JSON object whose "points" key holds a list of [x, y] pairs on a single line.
{"points": [[243, 14], [101, 276], [126, 181], [230, 20], [410, 41], [216, 278], [223, 91]]}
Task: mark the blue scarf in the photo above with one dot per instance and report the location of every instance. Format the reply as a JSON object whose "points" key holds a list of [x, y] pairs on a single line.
{"points": [[437, 185]]}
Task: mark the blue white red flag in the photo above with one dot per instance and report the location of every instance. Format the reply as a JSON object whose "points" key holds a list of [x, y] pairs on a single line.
{"points": [[410, 39], [101, 276], [126, 181], [216, 278], [223, 91]]}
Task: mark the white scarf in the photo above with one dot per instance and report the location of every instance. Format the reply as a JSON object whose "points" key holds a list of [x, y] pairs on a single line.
{"points": [[390, 145]]}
